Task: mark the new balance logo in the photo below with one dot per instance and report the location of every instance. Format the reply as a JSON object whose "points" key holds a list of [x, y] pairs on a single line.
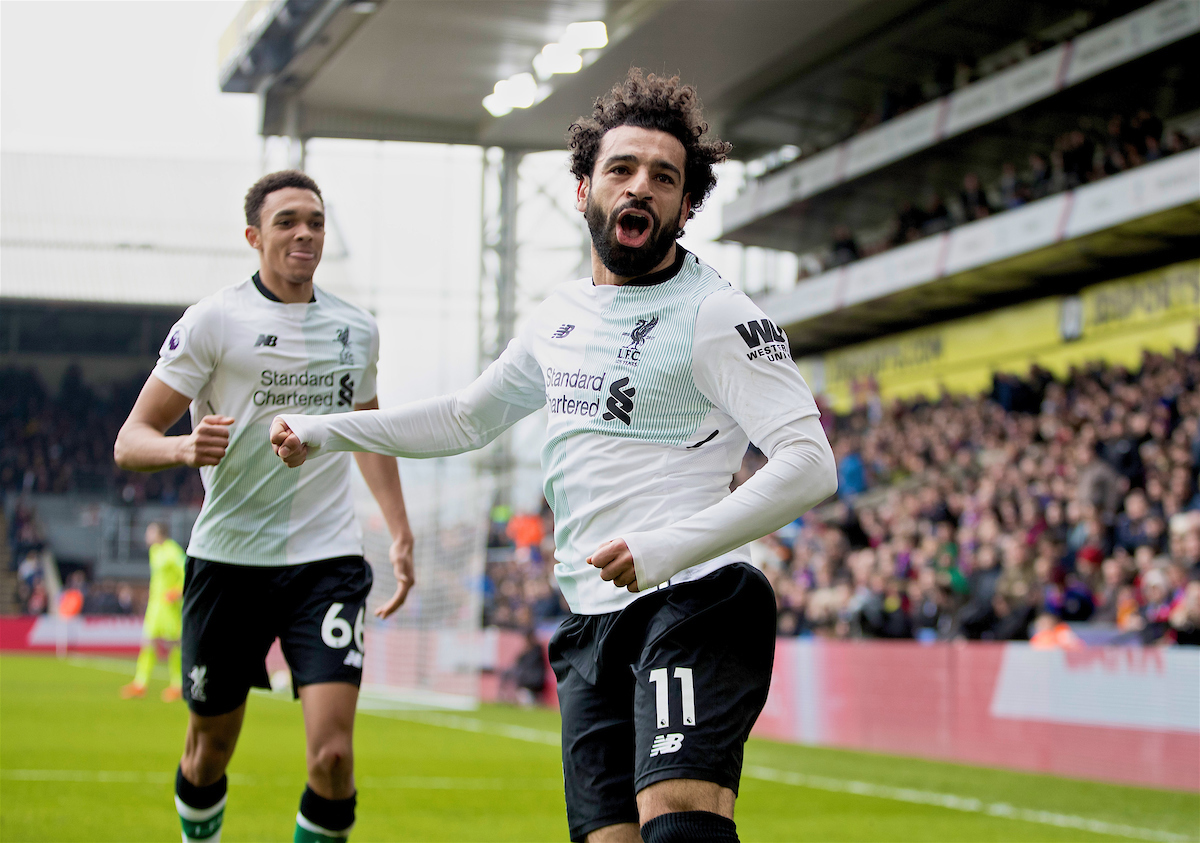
{"points": [[756, 332], [562, 331], [198, 676], [353, 658], [666, 744], [266, 339], [620, 400]]}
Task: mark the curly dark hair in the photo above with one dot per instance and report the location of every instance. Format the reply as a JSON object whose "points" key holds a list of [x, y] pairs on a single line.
{"points": [[652, 102], [271, 182]]}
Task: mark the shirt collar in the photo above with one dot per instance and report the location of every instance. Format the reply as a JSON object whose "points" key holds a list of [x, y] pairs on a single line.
{"points": [[262, 288]]}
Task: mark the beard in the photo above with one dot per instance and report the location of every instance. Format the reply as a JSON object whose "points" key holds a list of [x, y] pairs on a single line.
{"points": [[627, 261]]}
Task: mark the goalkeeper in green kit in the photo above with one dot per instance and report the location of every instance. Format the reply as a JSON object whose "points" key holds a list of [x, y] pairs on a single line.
{"points": [[164, 615]]}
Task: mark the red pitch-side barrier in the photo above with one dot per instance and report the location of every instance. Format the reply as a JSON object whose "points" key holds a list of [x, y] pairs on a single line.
{"points": [[1129, 715]]}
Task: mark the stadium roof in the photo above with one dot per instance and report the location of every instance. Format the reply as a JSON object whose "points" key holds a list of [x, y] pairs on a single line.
{"points": [[771, 72], [419, 71]]}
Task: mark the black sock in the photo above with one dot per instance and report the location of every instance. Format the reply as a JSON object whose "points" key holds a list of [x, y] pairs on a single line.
{"points": [[690, 827], [201, 809], [199, 797], [330, 814]]}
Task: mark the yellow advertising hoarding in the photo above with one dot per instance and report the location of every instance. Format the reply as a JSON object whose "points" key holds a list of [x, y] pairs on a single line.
{"points": [[1114, 322]]}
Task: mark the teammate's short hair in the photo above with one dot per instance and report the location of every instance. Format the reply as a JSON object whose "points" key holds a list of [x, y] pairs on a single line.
{"points": [[271, 182], [652, 102]]}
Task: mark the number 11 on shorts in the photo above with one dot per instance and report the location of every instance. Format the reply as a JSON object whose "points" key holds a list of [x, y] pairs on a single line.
{"points": [[658, 678]]}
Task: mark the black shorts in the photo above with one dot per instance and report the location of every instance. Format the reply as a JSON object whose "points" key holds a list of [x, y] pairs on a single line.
{"points": [[667, 688], [233, 613]]}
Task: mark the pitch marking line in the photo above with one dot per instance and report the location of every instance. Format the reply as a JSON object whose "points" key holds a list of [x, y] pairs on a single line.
{"points": [[899, 794], [961, 803], [542, 736], [249, 780]]}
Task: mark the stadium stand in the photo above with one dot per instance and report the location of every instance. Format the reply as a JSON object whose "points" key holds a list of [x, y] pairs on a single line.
{"points": [[971, 517], [1079, 156]]}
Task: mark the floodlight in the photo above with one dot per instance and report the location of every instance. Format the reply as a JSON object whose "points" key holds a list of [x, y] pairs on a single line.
{"points": [[585, 35], [555, 58], [520, 91], [496, 106]]}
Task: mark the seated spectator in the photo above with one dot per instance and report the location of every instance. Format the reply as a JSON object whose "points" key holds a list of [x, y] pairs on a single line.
{"points": [[1186, 551], [1185, 616], [527, 677], [937, 218], [974, 201], [1156, 606], [1037, 177], [1013, 193], [844, 248], [910, 223], [852, 477], [1132, 522]]}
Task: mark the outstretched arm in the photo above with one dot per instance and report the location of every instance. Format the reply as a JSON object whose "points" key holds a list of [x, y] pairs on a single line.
{"points": [[508, 390], [436, 427]]}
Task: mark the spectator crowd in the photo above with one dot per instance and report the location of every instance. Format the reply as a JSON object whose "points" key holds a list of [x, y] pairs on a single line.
{"points": [[974, 517], [54, 443], [1080, 156]]}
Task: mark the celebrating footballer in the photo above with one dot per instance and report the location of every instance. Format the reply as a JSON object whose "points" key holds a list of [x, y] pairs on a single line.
{"points": [[274, 553], [656, 374]]}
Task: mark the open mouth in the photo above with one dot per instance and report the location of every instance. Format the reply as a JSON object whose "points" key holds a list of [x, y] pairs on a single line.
{"points": [[633, 228]]}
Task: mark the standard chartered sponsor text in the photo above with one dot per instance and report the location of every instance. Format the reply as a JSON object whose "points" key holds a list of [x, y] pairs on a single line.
{"points": [[577, 380], [294, 397]]}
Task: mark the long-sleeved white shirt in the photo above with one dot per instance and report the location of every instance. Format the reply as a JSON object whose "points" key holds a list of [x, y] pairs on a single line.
{"points": [[654, 390]]}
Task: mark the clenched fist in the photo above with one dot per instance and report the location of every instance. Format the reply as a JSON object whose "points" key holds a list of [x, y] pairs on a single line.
{"points": [[287, 444], [616, 564], [207, 443]]}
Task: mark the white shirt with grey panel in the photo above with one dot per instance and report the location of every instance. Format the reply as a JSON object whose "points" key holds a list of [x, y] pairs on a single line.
{"points": [[653, 392], [237, 353]]}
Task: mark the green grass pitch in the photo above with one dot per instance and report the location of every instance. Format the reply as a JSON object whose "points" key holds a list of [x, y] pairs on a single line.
{"points": [[78, 763]]}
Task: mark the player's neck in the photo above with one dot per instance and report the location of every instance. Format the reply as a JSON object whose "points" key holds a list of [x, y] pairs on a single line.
{"points": [[287, 292], [602, 275]]}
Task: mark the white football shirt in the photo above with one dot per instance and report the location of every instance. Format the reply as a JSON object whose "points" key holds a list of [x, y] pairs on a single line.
{"points": [[653, 389], [241, 353]]}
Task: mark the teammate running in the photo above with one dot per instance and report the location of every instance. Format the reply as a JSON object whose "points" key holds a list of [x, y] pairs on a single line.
{"points": [[160, 629], [656, 374], [274, 553]]}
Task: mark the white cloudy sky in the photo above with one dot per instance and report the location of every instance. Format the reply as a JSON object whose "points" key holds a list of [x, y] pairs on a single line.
{"points": [[140, 79]]}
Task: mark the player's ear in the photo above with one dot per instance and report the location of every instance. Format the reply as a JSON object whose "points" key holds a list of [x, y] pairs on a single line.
{"points": [[581, 193], [253, 236], [685, 209]]}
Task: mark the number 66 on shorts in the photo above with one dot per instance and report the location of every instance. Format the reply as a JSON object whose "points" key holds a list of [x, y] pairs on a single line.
{"points": [[233, 613]]}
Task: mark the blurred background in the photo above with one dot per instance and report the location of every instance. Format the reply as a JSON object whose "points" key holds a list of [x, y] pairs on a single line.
{"points": [[978, 224]]}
